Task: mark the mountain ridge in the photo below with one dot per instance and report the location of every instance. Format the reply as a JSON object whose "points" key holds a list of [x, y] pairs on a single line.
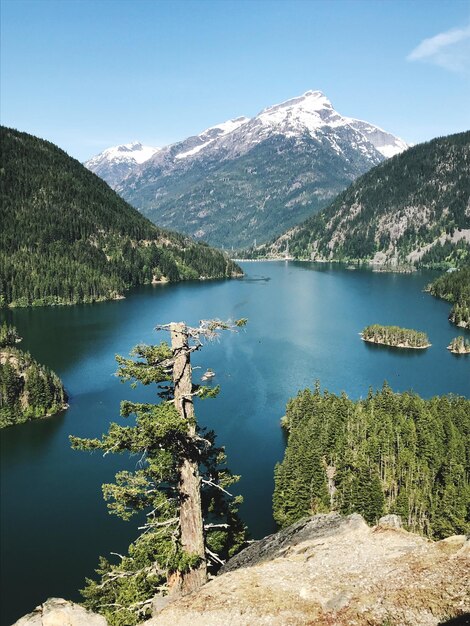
{"points": [[117, 162]]}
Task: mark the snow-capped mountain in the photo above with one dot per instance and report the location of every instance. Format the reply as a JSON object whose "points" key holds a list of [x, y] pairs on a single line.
{"points": [[115, 163], [255, 177]]}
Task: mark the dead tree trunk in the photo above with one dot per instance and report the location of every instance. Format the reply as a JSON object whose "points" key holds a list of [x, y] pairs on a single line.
{"points": [[191, 523]]}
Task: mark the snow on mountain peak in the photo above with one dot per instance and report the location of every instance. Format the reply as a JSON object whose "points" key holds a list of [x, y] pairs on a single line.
{"points": [[115, 163], [310, 114], [310, 111], [227, 127], [134, 151], [309, 101], [212, 133], [313, 112]]}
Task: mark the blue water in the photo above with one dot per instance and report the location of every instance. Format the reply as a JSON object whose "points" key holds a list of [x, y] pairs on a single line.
{"points": [[304, 321]]}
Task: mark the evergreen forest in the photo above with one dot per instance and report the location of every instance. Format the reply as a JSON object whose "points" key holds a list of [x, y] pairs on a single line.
{"points": [[67, 238], [388, 453], [455, 287], [28, 390]]}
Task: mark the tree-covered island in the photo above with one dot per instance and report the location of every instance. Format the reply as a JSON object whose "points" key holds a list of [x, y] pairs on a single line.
{"points": [[459, 345], [395, 336], [28, 390]]}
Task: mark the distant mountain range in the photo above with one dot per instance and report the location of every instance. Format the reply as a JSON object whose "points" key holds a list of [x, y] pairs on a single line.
{"points": [[66, 237], [412, 209], [251, 179]]}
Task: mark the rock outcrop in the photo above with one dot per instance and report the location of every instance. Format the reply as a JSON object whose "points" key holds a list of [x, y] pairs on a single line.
{"points": [[326, 570], [329, 570], [59, 612]]}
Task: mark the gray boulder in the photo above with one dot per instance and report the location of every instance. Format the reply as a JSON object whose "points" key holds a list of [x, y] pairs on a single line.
{"points": [[60, 612]]}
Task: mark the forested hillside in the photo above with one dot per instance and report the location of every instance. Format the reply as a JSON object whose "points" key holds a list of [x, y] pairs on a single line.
{"points": [[389, 453], [66, 237], [28, 390], [455, 287], [413, 208]]}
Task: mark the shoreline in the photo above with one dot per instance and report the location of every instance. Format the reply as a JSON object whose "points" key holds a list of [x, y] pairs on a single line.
{"points": [[375, 267], [28, 420], [393, 345], [121, 296]]}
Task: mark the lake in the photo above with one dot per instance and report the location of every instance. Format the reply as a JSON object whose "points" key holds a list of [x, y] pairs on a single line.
{"points": [[304, 321]]}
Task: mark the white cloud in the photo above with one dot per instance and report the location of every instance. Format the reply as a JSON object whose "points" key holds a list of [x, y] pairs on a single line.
{"points": [[450, 50]]}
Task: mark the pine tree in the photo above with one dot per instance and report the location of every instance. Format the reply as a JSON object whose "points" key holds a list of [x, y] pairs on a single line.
{"points": [[181, 483]]}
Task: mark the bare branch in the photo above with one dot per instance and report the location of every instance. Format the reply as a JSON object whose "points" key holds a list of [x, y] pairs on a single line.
{"points": [[212, 484], [208, 526], [207, 329], [215, 557], [173, 520]]}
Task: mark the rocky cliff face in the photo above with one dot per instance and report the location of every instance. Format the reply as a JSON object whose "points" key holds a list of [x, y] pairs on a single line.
{"points": [[327, 570]]}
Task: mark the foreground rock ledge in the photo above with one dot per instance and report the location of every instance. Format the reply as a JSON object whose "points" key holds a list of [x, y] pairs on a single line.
{"points": [[327, 570], [334, 571]]}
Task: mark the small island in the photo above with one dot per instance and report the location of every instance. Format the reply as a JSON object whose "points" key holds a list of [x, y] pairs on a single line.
{"points": [[395, 337], [28, 390], [459, 345]]}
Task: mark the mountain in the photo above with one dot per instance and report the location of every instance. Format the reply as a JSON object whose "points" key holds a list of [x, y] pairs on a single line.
{"points": [[414, 208], [253, 178], [115, 163], [66, 237]]}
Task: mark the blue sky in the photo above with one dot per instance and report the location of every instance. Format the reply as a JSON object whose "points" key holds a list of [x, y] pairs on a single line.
{"points": [[88, 74]]}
